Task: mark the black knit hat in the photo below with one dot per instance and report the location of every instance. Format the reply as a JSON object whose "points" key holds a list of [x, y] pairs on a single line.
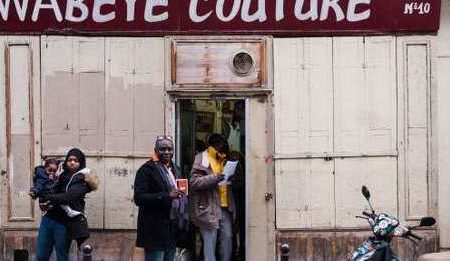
{"points": [[79, 155]]}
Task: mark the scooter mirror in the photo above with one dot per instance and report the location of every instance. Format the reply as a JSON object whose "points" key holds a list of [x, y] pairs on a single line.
{"points": [[365, 192], [427, 221]]}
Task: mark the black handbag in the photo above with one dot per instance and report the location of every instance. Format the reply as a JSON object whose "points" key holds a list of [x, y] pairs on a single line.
{"points": [[78, 229]]}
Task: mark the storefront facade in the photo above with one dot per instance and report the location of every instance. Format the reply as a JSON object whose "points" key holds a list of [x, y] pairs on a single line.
{"points": [[356, 96]]}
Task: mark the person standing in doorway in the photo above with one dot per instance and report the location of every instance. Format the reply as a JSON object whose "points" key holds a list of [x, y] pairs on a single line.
{"points": [[163, 215], [211, 206]]}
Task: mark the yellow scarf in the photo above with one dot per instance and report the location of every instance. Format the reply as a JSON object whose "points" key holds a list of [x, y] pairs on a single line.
{"points": [[217, 167]]}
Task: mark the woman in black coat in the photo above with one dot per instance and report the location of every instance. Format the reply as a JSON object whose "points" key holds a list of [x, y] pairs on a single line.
{"points": [[70, 191], [160, 203]]}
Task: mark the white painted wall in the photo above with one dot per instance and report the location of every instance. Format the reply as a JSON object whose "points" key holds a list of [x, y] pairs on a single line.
{"points": [[443, 94]]}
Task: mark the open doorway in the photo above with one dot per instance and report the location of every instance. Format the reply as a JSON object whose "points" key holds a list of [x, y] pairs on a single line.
{"points": [[196, 119]]}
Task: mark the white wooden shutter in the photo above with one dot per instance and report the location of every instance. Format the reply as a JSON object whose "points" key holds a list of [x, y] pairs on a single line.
{"points": [[304, 132], [417, 166], [365, 125], [19, 128], [134, 117], [72, 94]]}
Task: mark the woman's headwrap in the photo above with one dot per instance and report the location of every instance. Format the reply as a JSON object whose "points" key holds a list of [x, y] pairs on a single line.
{"points": [[79, 155]]}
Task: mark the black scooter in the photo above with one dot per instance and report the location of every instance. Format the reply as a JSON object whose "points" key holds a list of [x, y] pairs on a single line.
{"points": [[384, 228]]}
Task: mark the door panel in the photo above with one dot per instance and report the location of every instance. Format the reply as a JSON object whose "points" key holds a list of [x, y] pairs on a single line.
{"points": [[333, 101], [379, 174], [417, 108], [303, 96], [104, 95], [148, 94], [72, 94], [299, 184], [350, 96], [418, 173], [260, 211], [380, 79], [365, 95], [119, 97], [20, 132]]}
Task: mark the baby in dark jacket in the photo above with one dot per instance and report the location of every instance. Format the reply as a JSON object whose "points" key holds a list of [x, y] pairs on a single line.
{"points": [[44, 178]]}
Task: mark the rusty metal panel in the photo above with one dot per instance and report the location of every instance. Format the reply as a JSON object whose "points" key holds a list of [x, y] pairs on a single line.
{"points": [[209, 63], [20, 127]]}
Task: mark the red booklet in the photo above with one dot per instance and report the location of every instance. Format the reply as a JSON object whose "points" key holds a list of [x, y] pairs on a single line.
{"points": [[183, 185]]}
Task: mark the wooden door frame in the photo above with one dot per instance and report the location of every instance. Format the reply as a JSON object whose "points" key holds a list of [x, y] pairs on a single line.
{"points": [[258, 160]]}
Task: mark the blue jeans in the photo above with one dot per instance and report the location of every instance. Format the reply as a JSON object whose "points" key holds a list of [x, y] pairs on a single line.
{"points": [[157, 255], [225, 238], [52, 233]]}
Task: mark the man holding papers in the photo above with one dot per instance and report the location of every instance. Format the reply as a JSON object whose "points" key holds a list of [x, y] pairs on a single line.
{"points": [[211, 203]]}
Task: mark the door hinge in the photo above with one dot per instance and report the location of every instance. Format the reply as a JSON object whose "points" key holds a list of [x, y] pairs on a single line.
{"points": [[268, 196], [3, 172]]}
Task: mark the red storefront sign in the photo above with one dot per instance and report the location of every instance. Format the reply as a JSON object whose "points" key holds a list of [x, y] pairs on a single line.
{"points": [[162, 17]]}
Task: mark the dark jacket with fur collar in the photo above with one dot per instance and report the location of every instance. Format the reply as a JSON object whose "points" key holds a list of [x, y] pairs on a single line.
{"points": [[155, 230], [73, 197]]}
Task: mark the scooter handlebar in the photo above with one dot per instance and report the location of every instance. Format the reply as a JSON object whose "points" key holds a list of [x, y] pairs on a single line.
{"points": [[367, 214], [411, 234]]}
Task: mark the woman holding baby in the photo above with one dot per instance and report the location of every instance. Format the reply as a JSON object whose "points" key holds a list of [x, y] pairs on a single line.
{"points": [[63, 208]]}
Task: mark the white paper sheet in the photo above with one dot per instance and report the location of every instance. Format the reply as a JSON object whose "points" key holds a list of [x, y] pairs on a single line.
{"points": [[229, 169]]}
